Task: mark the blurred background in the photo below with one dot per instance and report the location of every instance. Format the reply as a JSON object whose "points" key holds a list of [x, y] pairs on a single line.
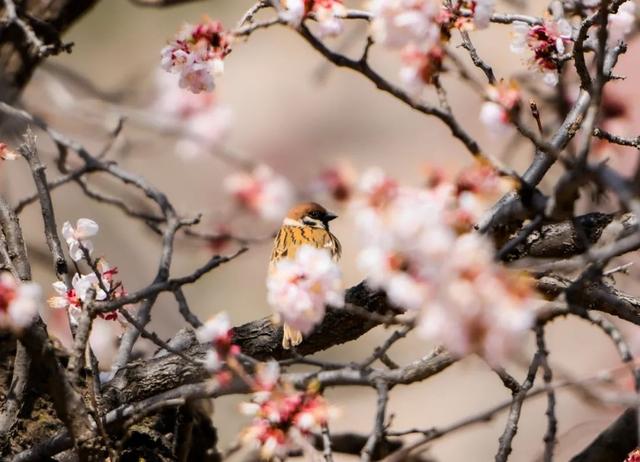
{"points": [[298, 114]]}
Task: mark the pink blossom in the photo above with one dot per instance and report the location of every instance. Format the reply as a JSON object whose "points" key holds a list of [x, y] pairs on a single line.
{"points": [[418, 249], [475, 188], [634, 456], [621, 24], [419, 67], [19, 302], [283, 420], [78, 237], [401, 238], [196, 54], [262, 192], [7, 153], [375, 189], [546, 41], [218, 332], [299, 289], [328, 13], [482, 11], [202, 119], [398, 23], [336, 181], [294, 11], [467, 14], [495, 113], [267, 376], [477, 306]]}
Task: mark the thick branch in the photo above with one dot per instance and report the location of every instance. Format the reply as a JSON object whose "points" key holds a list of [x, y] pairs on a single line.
{"points": [[571, 237], [260, 339]]}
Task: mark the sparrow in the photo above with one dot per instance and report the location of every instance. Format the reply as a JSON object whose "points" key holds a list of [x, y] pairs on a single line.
{"points": [[305, 223]]}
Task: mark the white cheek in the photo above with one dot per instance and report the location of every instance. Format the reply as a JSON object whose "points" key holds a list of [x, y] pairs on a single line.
{"points": [[292, 222]]}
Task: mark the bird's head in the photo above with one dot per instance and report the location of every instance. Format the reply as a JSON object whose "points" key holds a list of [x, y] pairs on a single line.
{"points": [[309, 214]]}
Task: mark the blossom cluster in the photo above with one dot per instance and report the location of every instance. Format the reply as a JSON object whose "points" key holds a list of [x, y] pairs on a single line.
{"points": [[417, 247], [328, 13], [217, 331], [19, 302], [298, 289], [502, 100], [547, 42], [99, 283], [283, 418], [418, 28], [261, 191], [336, 181], [634, 456], [196, 54], [6, 153], [621, 23], [202, 119]]}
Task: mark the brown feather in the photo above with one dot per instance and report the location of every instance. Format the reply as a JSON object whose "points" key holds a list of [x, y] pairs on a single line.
{"points": [[290, 238]]}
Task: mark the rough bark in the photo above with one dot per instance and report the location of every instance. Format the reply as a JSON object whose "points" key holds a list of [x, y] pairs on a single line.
{"points": [[18, 58], [260, 339], [570, 237]]}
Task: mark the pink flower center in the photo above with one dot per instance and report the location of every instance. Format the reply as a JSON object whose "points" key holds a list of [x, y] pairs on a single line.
{"points": [[7, 295]]}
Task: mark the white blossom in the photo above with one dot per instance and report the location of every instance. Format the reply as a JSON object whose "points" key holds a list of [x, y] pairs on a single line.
{"points": [[398, 23], [78, 237], [621, 24], [547, 42], [328, 14], [416, 250], [217, 331], [72, 298], [19, 302], [261, 191], [203, 121], [482, 14], [196, 55], [7, 153], [299, 289], [215, 328], [293, 12], [495, 113]]}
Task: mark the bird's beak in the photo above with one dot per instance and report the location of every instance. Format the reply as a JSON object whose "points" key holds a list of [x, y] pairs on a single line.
{"points": [[330, 216]]}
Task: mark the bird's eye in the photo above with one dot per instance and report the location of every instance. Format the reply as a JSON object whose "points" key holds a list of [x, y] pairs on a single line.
{"points": [[315, 214]]}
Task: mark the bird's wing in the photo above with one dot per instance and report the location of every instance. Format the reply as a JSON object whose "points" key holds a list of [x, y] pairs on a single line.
{"points": [[281, 245], [336, 247]]}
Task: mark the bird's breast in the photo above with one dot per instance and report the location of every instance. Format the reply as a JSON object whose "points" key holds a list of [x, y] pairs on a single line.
{"points": [[291, 238]]}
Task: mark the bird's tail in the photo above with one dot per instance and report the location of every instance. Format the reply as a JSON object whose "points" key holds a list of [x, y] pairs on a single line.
{"points": [[291, 337]]}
